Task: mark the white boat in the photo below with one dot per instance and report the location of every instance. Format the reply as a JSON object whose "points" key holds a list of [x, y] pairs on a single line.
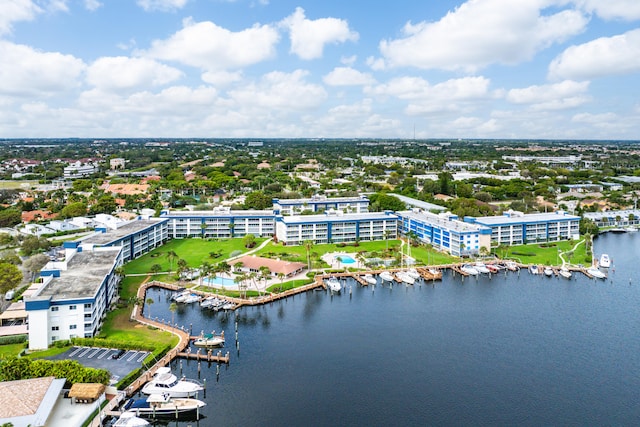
{"points": [[533, 269], [564, 272], [209, 302], [605, 261], [228, 306], [481, 268], [630, 229], [470, 270], [512, 266], [413, 273], [594, 272], [386, 276], [164, 381], [189, 299], [405, 277], [334, 284], [158, 405], [180, 295], [548, 271], [370, 279], [129, 419], [209, 340]]}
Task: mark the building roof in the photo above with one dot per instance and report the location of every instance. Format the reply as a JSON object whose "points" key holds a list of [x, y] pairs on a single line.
{"points": [[275, 266], [336, 217], [83, 277], [217, 213], [321, 200], [101, 239], [419, 203], [29, 402], [86, 391], [520, 218], [443, 222]]}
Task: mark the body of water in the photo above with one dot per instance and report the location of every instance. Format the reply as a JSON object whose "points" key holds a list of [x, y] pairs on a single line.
{"points": [[220, 281], [515, 349]]}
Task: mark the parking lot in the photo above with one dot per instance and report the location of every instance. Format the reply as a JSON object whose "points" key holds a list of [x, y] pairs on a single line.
{"points": [[102, 358]]}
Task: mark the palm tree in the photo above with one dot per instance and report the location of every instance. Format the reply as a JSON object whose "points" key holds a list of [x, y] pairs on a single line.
{"points": [[205, 270], [155, 269], [172, 308], [281, 276], [242, 287], [148, 302], [171, 256], [265, 274], [308, 244]]}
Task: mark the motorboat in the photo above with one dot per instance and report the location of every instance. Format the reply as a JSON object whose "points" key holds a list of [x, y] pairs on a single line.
{"points": [[209, 340], [158, 405], [334, 284], [434, 271], [412, 272], [594, 272], [493, 268], [481, 268], [386, 276], [630, 229], [511, 266], [548, 271], [605, 261], [209, 302], [405, 277], [564, 272], [470, 270], [370, 279], [533, 269], [164, 381], [189, 299], [129, 419], [180, 295], [228, 306]]}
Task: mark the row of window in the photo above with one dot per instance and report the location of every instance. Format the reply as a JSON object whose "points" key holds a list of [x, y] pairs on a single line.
{"points": [[71, 307], [57, 328]]}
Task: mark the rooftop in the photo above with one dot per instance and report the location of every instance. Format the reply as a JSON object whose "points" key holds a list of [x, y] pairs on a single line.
{"points": [[444, 222], [419, 203], [321, 200], [28, 402], [217, 213], [84, 274], [520, 218], [111, 236], [337, 217]]}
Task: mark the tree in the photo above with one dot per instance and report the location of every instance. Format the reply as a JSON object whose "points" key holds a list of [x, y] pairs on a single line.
{"points": [[10, 277], [172, 308], [32, 244], [171, 256], [257, 200], [10, 217], [35, 263], [249, 241], [106, 204], [73, 210], [385, 202], [155, 269], [148, 302], [11, 257], [308, 244]]}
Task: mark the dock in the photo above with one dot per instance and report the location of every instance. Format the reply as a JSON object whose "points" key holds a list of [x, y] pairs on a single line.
{"points": [[209, 356]]}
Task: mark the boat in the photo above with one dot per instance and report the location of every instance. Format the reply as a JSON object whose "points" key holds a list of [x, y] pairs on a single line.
{"points": [[434, 271], [511, 265], [180, 295], [594, 272], [605, 261], [386, 276], [630, 229], [164, 381], [209, 302], [493, 268], [470, 270], [412, 272], [564, 272], [533, 269], [228, 306], [370, 279], [209, 340], [405, 277], [334, 284], [158, 405], [189, 299], [481, 268], [129, 419], [548, 271]]}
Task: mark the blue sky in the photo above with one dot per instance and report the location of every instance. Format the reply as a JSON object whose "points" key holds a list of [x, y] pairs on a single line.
{"points": [[553, 69]]}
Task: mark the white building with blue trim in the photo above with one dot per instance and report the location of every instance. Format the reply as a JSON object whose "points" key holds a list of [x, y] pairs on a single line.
{"points": [[319, 204], [517, 228], [219, 223], [336, 227], [74, 295], [445, 232]]}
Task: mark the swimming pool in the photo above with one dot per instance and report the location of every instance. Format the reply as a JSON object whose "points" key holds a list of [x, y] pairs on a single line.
{"points": [[220, 281], [345, 259]]}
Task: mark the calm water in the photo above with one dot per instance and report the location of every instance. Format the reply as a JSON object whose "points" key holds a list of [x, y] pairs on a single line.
{"points": [[516, 349]]}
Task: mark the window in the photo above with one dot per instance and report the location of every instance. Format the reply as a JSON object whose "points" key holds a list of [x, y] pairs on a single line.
{"points": [[72, 326], [55, 328], [72, 307], [87, 306], [54, 308]]}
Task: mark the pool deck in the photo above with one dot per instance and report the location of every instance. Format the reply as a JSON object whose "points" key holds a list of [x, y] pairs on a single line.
{"points": [[330, 258]]}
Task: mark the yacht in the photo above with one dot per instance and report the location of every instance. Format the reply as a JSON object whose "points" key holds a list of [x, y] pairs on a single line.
{"points": [[413, 273], [481, 268], [334, 284], [164, 381], [605, 261], [564, 272], [533, 269], [512, 266], [129, 419], [370, 279], [548, 271], [594, 272], [405, 277], [158, 405], [209, 340]]}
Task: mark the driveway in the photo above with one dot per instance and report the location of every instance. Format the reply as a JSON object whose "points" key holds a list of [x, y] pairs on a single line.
{"points": [[100, 358]]}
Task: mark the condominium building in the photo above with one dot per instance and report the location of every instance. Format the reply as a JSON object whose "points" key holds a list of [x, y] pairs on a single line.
{"points": [[336, 227], [319, 204], [516, 228], [219, 223], [73, 295], [445, 232]]}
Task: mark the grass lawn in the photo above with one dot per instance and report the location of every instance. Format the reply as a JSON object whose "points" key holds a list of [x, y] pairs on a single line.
{"points": [[119, 327], [547, 253], [9, 350], [193, 251]]}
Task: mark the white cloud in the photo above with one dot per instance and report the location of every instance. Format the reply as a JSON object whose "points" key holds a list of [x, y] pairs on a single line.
{"points": [[557, 96], [25, 71], [120, 72], [308, 37], [481, 32], [92, 4], [594, 119], [161, 5], [612, 9], [278, 90], [600, 57], [210, 47], [347, 76], [221, 78], [15, 11]]}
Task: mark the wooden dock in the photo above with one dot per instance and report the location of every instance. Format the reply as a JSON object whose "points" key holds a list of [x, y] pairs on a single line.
{"points": [[206, 357]]}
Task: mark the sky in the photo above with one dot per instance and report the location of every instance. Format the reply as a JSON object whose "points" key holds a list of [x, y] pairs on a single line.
{"points": [[515, 69]]}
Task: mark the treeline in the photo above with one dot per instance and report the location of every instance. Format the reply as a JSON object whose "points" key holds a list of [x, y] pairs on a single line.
{"points": [[20, 368]]}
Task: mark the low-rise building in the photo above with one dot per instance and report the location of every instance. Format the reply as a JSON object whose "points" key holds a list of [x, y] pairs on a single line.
{"points": [[318, 204], [219, 223]]}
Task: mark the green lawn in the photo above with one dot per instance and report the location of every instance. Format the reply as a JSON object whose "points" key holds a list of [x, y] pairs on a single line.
{"points": [[118, 326], [194, 251], [8, 350], [547, 253]]}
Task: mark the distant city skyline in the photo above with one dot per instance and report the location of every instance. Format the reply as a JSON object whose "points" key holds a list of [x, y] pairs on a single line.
{"points": [[544, 69]]}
